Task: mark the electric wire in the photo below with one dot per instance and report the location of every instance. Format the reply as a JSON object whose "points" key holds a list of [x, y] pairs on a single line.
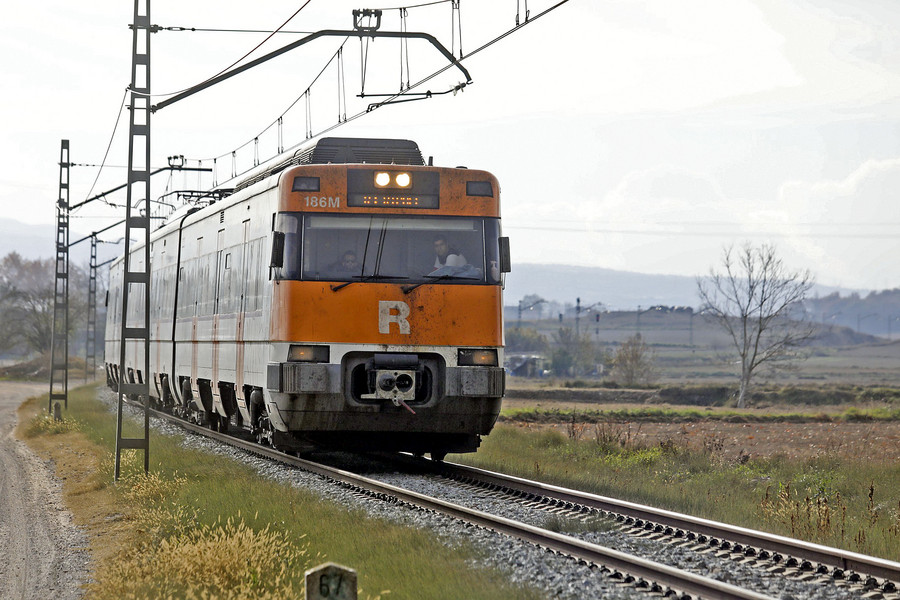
{"points": [[278, 122], [106, 154], [254, 49], [470, 54], [419, 5], [390, 99], [337, 56], [404, 48], [209, 30], [678, 233]]}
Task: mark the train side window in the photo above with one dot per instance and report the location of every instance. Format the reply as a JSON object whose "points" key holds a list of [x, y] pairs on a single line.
{"points": [[288, 225]]}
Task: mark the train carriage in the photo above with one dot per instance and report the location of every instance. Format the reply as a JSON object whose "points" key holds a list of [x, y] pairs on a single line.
{"points": [[310, 307]]}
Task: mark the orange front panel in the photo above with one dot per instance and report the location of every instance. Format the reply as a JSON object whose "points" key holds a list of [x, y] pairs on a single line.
{"points": [[374, 313], [332, 194]]}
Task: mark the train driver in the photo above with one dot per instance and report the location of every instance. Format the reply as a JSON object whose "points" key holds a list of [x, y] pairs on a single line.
{"points": [[445, 256]]}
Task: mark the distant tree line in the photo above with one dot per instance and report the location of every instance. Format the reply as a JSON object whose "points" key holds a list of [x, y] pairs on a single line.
{"points": [[877, 313], [574, 355], [27, 296]]}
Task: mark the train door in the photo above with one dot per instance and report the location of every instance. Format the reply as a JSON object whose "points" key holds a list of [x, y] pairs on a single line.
{"points": [[220, 269], [243, 285], [245, 265]]}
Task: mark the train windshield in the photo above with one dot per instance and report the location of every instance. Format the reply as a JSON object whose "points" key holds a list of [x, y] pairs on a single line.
{"points": [[408, 249]]}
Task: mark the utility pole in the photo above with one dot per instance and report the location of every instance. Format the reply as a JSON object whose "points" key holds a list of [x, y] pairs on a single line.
{"points": [[59, 340], [578, 318], [137, 276], [522, 307], [90, 346]]}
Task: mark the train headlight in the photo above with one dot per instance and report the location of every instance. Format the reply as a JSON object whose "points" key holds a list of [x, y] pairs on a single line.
{"points": [[403, 180], [382, 179], [471, 357], [308, 353]]}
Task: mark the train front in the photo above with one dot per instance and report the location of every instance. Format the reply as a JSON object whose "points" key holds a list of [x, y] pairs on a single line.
{"points": [[387, 313]]}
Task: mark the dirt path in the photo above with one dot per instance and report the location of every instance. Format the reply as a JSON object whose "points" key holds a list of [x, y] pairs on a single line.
{"points": [[42, 553]]}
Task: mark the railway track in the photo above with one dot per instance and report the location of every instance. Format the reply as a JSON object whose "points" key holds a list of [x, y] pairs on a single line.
{"points": [[802, 562], [789, 556]]}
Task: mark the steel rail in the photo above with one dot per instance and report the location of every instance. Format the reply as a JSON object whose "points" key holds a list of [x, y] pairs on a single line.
{"points": [[835, 557], [664, 575]]}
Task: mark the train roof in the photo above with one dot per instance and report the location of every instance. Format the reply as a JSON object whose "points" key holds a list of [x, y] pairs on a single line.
{"points": [[334, 150]]}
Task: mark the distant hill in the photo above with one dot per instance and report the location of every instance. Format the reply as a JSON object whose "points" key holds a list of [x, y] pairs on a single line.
{"points": [[39, 241], [615, 289], [31, 241], [874, 313], [620, 290]]}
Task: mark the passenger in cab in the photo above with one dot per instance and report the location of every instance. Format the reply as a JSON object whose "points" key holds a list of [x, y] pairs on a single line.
{"points": [[347, 265]]}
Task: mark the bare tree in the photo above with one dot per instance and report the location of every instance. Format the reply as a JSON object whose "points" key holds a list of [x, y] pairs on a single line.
{"points": [[755, 300]]}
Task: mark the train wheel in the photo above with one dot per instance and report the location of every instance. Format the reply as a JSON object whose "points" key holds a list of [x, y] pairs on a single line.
{"points": [[186, 394], [264, 431], [438, 455], [212, 420], [257, 412], [167, 401], [223, 424]]}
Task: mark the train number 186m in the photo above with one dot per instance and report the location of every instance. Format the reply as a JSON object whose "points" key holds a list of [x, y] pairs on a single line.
{"points": [[323, 201]]}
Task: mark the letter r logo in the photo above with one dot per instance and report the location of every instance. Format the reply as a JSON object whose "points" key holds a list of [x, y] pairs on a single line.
{"points": [[393, 311]]}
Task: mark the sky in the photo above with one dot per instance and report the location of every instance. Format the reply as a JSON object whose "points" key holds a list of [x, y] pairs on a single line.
{"points": [[638, 135]]}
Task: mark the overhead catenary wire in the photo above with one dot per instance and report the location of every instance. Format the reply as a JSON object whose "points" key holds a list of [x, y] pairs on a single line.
{"points": [[694, 233], [106, 154], [392, 98], [210, 30], [343, 118], [279, 121], [408, 6], [251, 51], [404, 50]]}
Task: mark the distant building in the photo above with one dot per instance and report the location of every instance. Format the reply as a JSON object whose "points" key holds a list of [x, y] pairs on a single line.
{"points": [[526, 365]]}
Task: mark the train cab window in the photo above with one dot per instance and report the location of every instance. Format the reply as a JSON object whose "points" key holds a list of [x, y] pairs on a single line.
{"points": [[289, 225], [323, 247]]}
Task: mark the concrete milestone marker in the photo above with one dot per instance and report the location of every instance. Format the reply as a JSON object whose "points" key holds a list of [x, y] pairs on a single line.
{"points": [[330, 582]]}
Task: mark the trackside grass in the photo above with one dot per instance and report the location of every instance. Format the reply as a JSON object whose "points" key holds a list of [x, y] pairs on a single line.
{"points": [[204, 526], [682, 415], [840, 501]]}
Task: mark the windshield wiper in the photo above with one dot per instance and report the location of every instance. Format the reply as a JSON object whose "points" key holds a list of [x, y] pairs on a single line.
{"points": [[365, 278], [435, 278]]}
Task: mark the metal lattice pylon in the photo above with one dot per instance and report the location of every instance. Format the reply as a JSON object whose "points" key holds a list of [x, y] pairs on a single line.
{"points": [[90, 345], [134, 334], [59, 340]]}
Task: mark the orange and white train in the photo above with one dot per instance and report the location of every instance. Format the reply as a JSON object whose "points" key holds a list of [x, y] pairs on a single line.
{"points": [[309, 306]]}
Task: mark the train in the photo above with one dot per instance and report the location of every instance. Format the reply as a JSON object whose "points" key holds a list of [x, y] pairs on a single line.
{"points": [[348, 297]]}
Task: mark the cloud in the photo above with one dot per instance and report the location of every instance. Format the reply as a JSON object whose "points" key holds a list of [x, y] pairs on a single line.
{"points": [[847, 227]]}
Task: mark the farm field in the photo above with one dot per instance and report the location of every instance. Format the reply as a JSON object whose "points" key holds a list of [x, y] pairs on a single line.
{"points": [[691, 350], [828, 473]]}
